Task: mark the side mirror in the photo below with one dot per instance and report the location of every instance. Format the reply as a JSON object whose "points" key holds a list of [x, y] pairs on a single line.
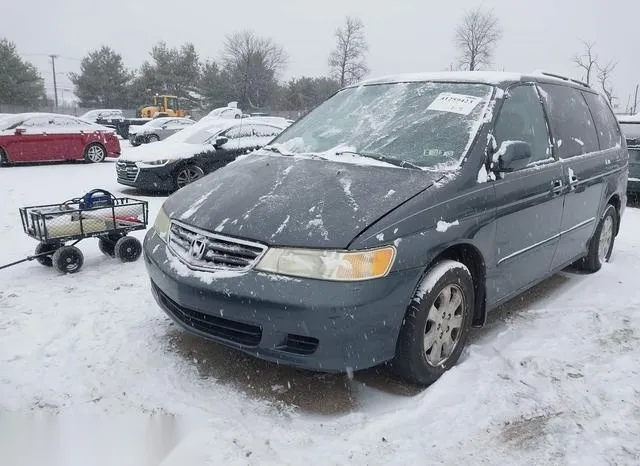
{"points": [[20, 131], [512, 156], [220, 141]]}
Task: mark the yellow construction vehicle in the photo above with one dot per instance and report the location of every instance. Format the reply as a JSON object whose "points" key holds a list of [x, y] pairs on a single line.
{"points": [[162, 105]]}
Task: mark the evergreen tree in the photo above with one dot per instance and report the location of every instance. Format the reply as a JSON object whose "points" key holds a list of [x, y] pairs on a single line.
{"points": [[103, 79], [20, 81]]}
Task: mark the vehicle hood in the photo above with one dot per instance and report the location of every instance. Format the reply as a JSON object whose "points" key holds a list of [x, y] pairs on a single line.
{"points": [[295, 201], [165, 150]]}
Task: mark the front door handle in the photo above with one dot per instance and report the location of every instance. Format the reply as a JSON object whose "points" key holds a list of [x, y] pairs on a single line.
{"points": [[556, 187]]}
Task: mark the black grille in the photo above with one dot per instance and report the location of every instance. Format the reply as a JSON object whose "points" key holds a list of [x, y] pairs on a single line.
{"points": [[127, 171], [209, 251], [236, 332], [299, 344]]}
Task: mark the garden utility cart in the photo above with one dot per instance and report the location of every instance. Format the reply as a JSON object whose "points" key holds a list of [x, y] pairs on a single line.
{"points": [[98, 214]]}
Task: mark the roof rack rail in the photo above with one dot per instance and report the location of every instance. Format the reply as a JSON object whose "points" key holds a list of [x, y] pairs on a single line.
{"points": [[564, 78]]}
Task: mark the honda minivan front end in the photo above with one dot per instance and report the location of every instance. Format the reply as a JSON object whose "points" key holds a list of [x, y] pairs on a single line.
{"points": [[288, 254]]}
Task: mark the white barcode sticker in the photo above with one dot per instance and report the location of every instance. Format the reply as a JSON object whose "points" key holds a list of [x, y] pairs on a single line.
{"points": [[454, 103]]}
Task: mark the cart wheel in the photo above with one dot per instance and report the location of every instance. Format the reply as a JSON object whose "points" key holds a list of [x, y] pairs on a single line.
{"points": [[47, 261], [107, 246], [128, 249], [68, 259]]}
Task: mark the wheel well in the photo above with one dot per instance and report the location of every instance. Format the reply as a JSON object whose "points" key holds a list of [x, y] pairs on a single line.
{"points": [[615, 202], [473, 260]]}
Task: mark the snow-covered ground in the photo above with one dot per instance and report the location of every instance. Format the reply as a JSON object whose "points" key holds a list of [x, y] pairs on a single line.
{"points": [[93, 373]]}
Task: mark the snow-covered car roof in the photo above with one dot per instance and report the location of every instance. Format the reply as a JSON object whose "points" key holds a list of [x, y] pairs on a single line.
{"points": [[10, 120], [191, 140], [161, 120], [101, 111], [483, 77]]}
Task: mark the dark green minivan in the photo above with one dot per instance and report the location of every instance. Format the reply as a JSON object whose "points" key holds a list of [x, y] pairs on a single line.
{"points": [[388, 221]]}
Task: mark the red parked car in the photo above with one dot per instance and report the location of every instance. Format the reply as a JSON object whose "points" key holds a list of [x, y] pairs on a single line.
{"points": [[45, 137]]}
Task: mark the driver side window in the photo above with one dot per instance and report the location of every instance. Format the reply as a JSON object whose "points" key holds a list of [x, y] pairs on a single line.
{"points": [[522, 119]]}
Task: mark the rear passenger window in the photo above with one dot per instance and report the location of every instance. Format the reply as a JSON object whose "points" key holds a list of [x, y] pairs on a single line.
{"points": [[522, 119], [573, 130], [606, 125]]}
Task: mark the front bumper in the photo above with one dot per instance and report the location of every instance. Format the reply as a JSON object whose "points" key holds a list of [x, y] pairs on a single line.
{"points": [[154, 179], [311, 324]]}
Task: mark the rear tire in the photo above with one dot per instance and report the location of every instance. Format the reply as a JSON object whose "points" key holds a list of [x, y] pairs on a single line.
{"points": [[47, 261], [95, 153], [153, 138], [436, 325], [601, 243], [107, 246], [128, 249], [68, 259], [4, 162]]}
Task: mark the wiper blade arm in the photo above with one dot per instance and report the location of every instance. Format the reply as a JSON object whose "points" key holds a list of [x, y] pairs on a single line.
{"points": [[382, 158], [291, 154], [276, 150]]}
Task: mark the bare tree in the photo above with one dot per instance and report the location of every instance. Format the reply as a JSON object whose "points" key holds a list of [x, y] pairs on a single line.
{"points": [[476, 38], [588, 60], [604, 74], [253, 65], [347, 62]]}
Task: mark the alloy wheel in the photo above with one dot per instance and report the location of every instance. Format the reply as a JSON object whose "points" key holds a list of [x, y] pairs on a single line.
{"points": [[95, 154], [188, 175], [606, 234], [444, 323]]}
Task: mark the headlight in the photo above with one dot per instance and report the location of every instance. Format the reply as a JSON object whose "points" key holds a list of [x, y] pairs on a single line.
{"points": [[329, 265], [154, 163], [162, 224]]}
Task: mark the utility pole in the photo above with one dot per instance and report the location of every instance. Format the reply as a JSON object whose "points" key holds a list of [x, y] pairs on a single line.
{"points": [[635, 100], [55, 84]]}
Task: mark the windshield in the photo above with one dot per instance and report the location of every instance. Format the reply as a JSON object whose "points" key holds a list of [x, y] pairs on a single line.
{"points": [[8, 122], [425, 123], [156, 122]]}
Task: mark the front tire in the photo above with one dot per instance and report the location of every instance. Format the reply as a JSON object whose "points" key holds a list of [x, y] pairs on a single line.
{"points": [[68, 259], [437, 323], [601, 243], [95, 153], [187, 174], [153, 138]]}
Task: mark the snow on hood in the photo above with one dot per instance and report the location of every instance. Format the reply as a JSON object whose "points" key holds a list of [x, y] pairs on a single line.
{"points": [[295, 201], [162, 150]]}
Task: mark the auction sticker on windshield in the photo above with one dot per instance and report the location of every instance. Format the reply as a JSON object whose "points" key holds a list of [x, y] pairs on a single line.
{"points": [[454, 103]]}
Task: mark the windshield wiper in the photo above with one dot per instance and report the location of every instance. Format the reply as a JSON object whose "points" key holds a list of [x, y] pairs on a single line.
{"points": [[290, 154], [382, 158], [276, 150]]}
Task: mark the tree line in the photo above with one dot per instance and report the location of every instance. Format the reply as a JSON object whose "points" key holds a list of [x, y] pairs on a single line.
{"points": [[249, 70]]}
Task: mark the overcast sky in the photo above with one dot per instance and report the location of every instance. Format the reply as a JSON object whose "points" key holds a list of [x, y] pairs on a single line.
{"points": [[403, 35]]}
